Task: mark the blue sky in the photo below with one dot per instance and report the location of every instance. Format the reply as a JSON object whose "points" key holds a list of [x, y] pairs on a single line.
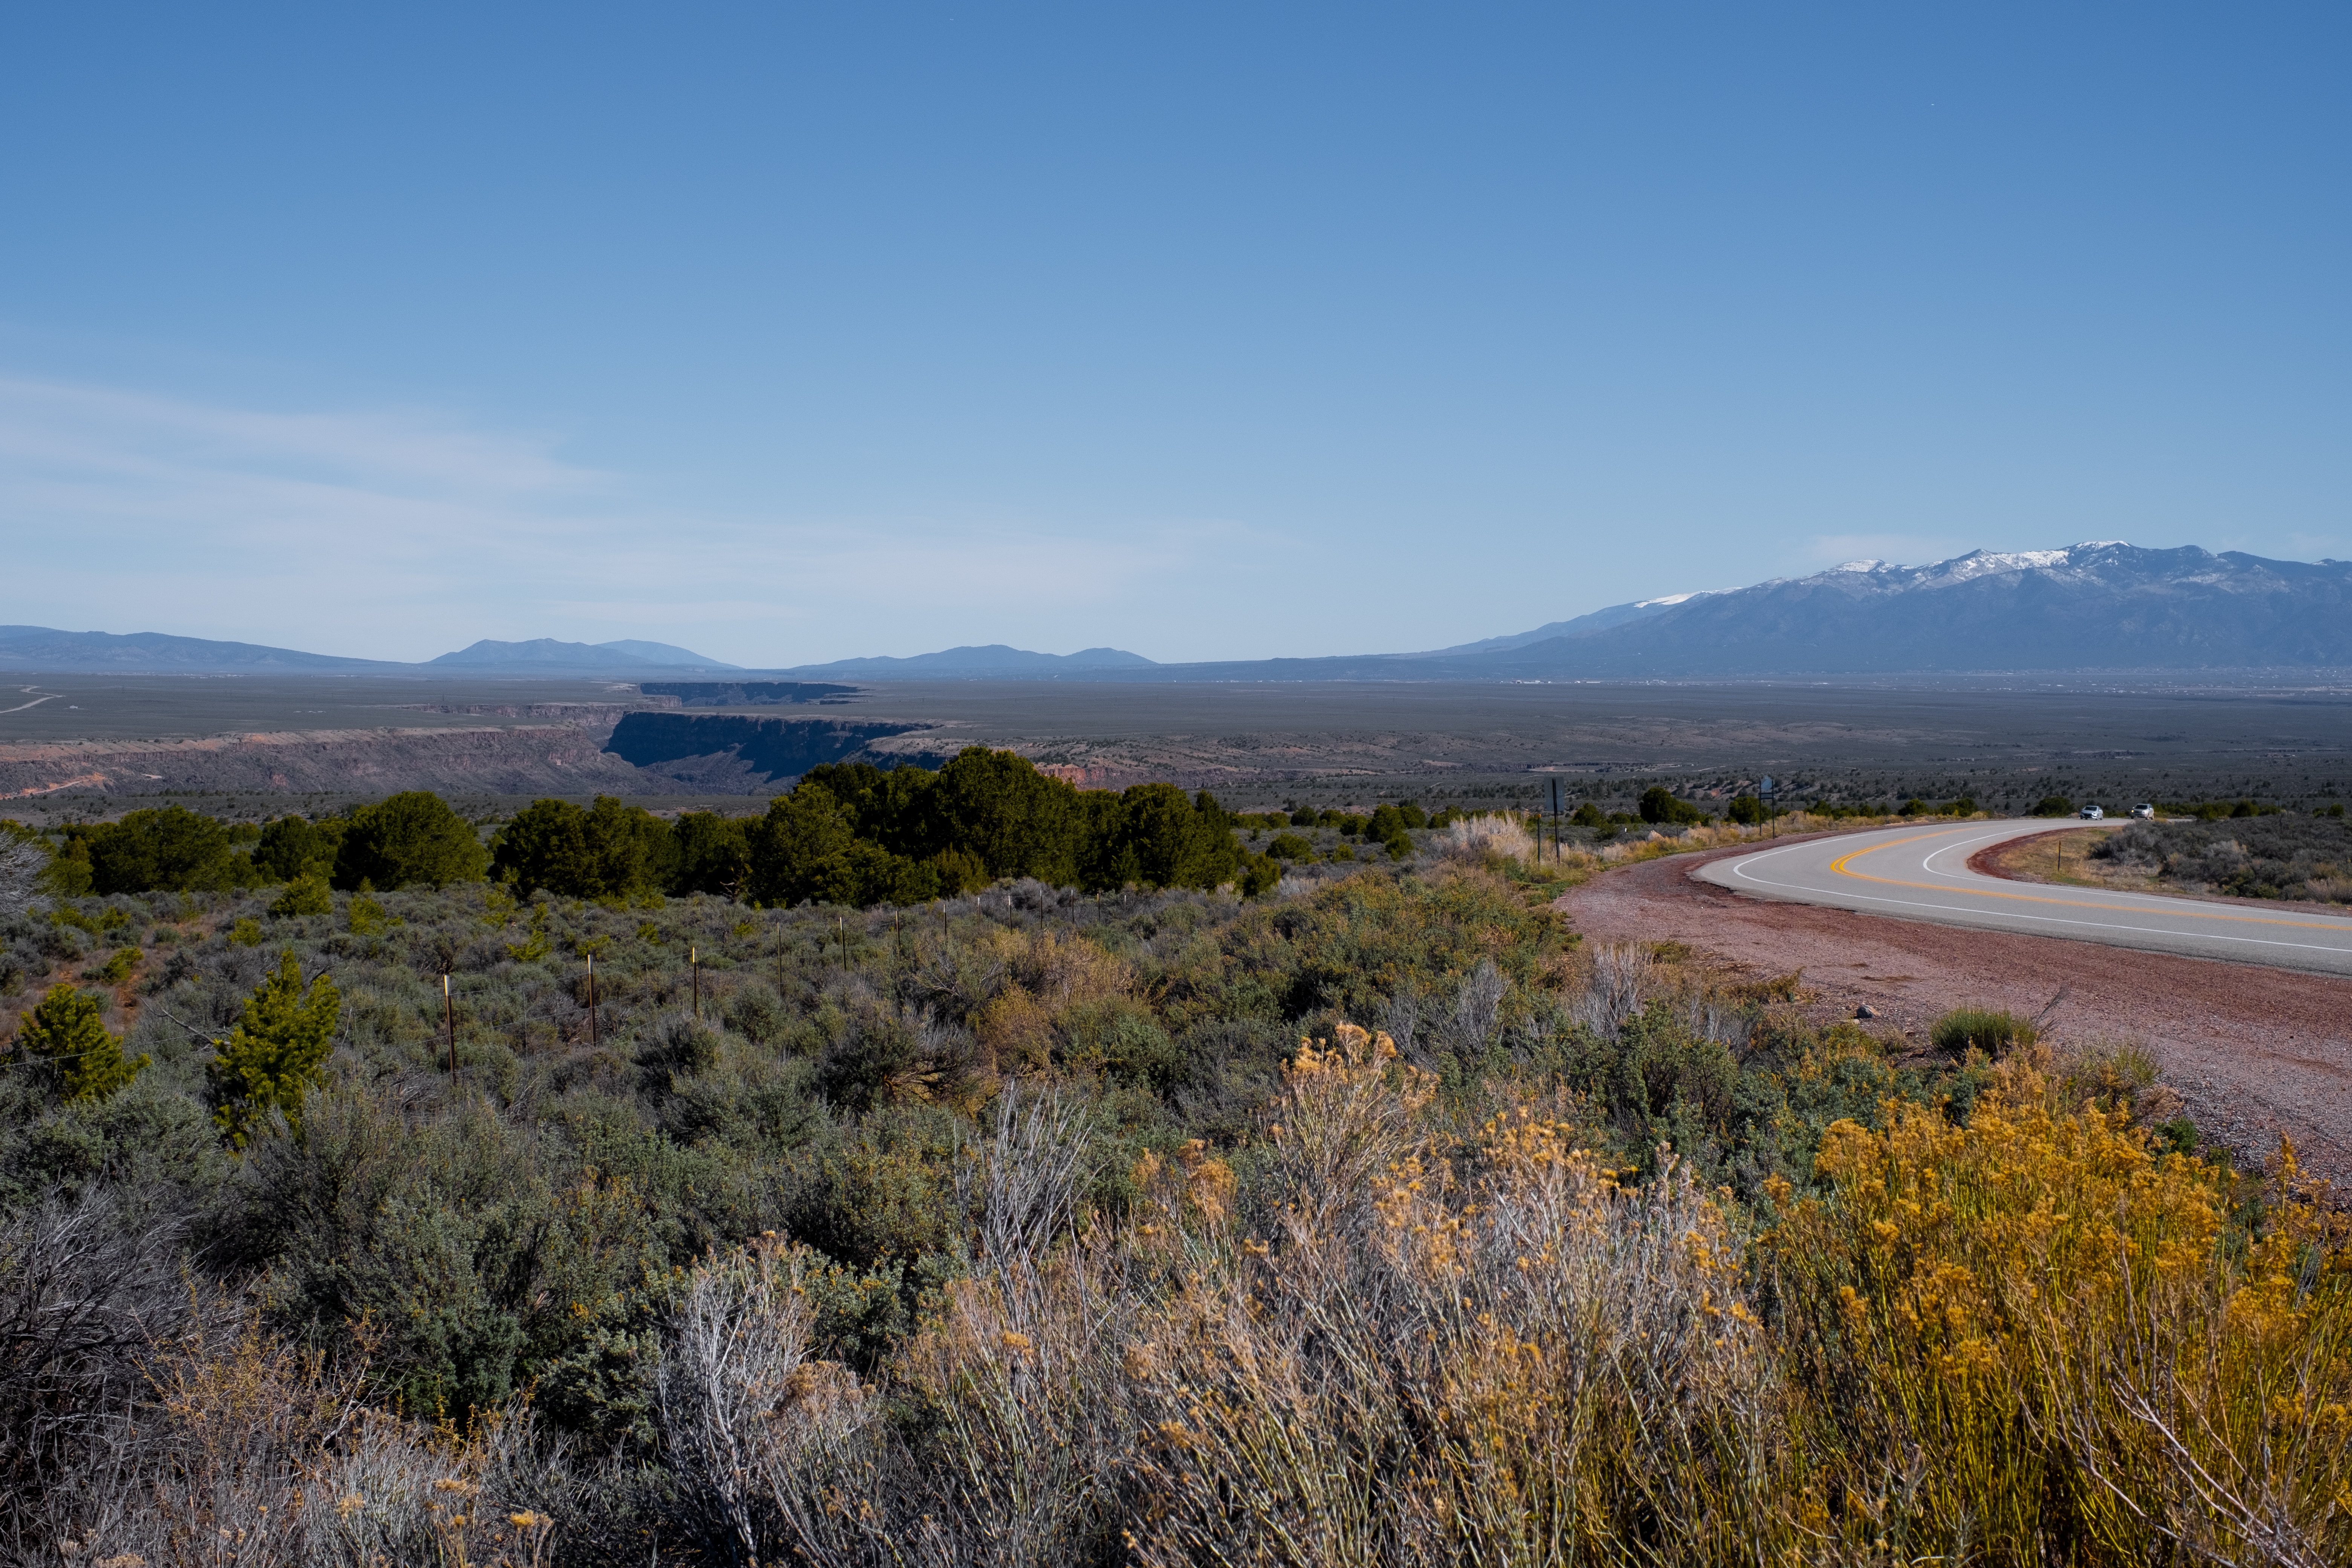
{"points": [[791, 333]]}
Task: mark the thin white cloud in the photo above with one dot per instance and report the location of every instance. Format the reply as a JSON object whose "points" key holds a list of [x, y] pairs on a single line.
{"points": [[400, 534], [83, 427]]}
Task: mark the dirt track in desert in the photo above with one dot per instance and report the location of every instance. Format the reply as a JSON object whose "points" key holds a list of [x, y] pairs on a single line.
{"points": [[2254, 1051]]}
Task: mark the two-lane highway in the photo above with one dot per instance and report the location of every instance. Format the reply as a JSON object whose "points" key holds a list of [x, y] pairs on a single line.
{"points": [[1922, 874]]}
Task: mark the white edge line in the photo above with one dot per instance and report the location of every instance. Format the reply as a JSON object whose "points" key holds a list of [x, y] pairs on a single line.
{"points": [[1739, 865]]}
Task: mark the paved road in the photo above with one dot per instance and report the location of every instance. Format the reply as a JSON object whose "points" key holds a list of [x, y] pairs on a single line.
{"points": [[1922, 874]]}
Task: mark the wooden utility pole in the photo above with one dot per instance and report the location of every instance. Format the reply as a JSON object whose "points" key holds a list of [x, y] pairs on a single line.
{"points": [[449, 1022], [694, 969], [591, 1001]]}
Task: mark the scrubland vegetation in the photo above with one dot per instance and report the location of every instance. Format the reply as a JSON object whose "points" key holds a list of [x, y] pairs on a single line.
{"points": [[1368, 1219], [2269, 855]]}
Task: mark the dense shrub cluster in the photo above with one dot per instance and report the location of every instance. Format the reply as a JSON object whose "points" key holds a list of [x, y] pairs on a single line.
{"points": [[2269, 856], [409, 838], [850, 833], [847, 833], [1660, 803], [1965, 805], [2219, 810], [1027, 1226]]}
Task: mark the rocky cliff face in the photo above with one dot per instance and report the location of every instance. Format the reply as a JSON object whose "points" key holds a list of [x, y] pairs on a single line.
{"points": [[563, 759], [724, 753]]}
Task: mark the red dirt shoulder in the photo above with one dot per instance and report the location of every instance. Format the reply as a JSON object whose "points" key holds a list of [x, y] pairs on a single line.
{"points": [[2254, 1052]]}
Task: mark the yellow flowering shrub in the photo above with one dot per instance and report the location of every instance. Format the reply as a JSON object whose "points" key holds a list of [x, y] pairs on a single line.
{"points": [[2026, 1335]]}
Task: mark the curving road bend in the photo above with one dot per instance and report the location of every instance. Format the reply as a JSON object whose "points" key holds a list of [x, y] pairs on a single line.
{"points": [[1922, 874]]}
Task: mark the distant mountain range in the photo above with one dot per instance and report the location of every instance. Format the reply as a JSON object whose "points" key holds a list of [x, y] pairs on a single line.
{"points": [[42, 649], [546, 653], [2103, 604], [993, 662]]}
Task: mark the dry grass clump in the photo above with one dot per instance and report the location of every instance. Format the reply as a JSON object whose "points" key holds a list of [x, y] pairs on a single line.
{"points": [[1575, 863], [1491, 836], [1024, 1429], [2114, 1075], [1492, 1353], [761, 1434], [249, 1451]]}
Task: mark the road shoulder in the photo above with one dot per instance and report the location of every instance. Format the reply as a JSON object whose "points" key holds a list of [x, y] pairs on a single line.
{"points": [[2254, 1051]]}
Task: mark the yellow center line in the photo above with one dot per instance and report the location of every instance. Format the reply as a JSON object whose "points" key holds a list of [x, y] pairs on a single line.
{"points": [[1840, 868]]}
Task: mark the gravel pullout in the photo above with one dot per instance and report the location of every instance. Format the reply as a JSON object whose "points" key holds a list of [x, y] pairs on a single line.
{"points": [[2253, 1051]]}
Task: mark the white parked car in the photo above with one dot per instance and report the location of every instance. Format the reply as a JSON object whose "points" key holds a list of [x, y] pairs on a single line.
{"points": [[2145, 812], [2092, 814]]}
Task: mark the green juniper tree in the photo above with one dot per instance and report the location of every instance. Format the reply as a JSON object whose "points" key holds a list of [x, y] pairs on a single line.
{"points": [[68, 1031], [1660, 804], [169, 851], [1161, 839], [544, 846], [614, 850], [712, 854], [272, 1058], [408, 838], [293, 846], [307, 894]]}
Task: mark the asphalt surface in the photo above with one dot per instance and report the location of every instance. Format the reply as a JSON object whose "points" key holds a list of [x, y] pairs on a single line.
{"points": [[1921, 874]]}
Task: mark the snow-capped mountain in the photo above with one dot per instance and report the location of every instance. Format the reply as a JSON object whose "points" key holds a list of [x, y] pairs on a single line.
{"points": [[1579, 626], [2101, 604]]}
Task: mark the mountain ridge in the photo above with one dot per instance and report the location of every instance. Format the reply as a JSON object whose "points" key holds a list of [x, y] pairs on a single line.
{"points": [[1598, 620], [39, 649], [974, 662], [2102, 603], [549, 653], [2097, 605]]}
